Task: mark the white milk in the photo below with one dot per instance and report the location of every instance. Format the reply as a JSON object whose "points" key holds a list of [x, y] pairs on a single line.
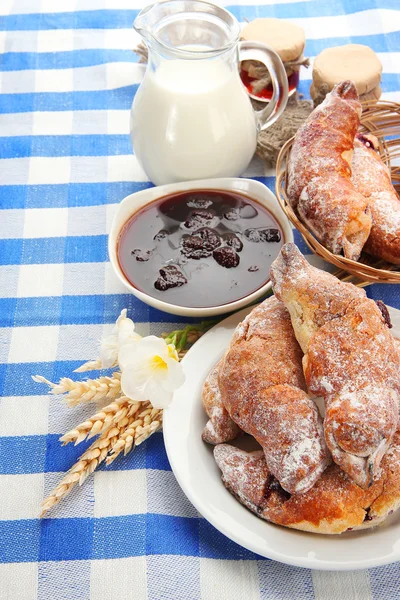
{"points": [[192, 119]]}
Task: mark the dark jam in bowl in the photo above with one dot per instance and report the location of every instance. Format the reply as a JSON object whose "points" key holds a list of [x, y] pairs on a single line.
{"points": [[200, 248]]}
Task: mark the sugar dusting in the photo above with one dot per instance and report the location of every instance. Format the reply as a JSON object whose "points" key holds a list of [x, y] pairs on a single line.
{"points": [[319, 175], [372, 178], [263, 388], [220, 428], [351, 361]]}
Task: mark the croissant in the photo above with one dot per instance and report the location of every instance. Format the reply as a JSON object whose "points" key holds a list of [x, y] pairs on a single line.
{"points": [[319, 175], [372, 179], [220, 427], [262, 387], [350, 360], [335, 504]]}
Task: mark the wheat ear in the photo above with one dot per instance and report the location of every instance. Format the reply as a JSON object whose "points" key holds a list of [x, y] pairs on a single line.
{"points": [[90, 365], [91, 390], [112, 414], [147, 421], [87, 463]]}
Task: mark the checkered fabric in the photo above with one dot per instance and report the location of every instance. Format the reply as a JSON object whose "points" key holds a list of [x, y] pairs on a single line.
{"points": [[68, 76]]}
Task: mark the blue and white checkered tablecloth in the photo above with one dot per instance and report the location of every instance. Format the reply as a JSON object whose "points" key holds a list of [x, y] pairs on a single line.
{"points": [[68, 75]]}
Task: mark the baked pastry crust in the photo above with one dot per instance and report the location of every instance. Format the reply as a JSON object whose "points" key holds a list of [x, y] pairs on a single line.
{"points": [[319, 174], [350, 360], [372, 179], [220, 427], [334, 505], [263, 388]]}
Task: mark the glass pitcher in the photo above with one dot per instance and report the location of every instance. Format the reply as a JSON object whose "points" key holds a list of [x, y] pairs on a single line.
{"points": [[192, 117]]}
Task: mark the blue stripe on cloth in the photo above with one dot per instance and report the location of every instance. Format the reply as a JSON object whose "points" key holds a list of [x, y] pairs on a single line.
{"points": [[36, 311], [64, 145], [22, 454], [67, 539], [309, 9], [389, 294], [45, 454], [378, 42], [118, 537], [78, 194], [37, 454], [16, 378], [116, 99], [79, 310], [117, 19], [19, 61], [114, 537], [90, 248], [68, 195], [179, 535]]}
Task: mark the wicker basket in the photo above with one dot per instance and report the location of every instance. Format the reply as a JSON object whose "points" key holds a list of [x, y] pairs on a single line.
{"points": [[383, 120]]}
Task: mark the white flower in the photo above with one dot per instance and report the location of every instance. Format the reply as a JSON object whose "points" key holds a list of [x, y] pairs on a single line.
{"points": [[150, 370], [124, 331]]}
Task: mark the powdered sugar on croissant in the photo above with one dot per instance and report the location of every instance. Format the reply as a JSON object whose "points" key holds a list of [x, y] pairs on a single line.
{"points": [[220, 428], [319, 174], [335, 504], [372, 178], [350, 360], [262, 387]]}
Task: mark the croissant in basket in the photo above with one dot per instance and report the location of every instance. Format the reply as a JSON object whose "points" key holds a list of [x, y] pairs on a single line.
{"points": [[371, 177], [338, 184], [320, 188]]}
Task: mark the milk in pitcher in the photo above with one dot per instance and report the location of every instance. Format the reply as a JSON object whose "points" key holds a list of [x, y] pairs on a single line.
{"points": [[191, 120]]}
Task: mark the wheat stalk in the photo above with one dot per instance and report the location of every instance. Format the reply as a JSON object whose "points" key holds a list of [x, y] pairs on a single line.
{"points": [[90, 365], [121, 425], [87, 463], [112, 414], [147, 421], [91, 390]]}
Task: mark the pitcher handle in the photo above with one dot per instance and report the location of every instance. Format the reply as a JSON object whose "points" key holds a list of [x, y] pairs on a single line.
{"points": [[268, 57]]}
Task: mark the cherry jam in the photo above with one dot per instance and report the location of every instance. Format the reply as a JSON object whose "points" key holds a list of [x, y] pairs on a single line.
{"points": [[200, 248], [266, 93]]}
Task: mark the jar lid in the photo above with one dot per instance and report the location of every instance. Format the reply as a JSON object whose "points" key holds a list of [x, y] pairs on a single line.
{"points": [[352, 61], [287, 39]]}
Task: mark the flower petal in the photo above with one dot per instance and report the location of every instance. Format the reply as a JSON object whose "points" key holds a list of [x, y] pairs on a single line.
{"points": [[176, 376], [121, 317], [125, 331], [128, 354], [109, 351], [158, 397], [152, 345], [132, 387]]}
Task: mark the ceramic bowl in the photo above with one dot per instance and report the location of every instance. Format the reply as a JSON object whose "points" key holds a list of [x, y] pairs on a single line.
{"points": [[131, 204]]}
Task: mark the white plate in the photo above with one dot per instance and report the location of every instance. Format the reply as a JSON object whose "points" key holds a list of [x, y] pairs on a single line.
{"points": [[194, 467]]}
